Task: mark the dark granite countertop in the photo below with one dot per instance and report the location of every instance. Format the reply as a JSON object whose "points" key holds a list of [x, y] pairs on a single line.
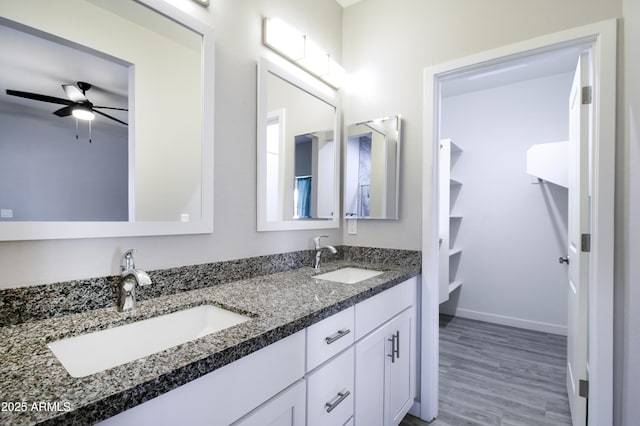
{"points": [[280, 304]]}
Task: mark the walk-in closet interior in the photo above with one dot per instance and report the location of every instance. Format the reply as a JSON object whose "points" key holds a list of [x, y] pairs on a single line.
{"points": [[502, 230]]}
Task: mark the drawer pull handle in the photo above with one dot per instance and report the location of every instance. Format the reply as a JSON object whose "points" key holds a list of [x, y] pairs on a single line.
{"points": [[337, 335], [337, 400]]}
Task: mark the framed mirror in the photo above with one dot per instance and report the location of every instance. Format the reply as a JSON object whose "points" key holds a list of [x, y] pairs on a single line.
{"points": [[372, 169], [143, 164], [298, 152]]}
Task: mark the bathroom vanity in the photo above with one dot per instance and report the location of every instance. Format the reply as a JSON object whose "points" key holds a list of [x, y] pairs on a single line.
{"points": [[313, 352]]}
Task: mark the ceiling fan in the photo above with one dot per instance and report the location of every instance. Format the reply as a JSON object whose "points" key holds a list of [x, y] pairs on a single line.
{"points": [[77, 105]]}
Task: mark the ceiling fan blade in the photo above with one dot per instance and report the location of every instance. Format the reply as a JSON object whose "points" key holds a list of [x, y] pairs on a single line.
{"points": [[64, 111], [39, 97], [73, 93], [104, 107], [108, 116]]}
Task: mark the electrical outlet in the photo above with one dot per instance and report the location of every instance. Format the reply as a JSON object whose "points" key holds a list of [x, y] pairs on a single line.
{"points": [[6, 213]]}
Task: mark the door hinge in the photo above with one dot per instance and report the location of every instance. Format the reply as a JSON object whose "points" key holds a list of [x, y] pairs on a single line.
{"points": [[583, 388], [586, 95], [585, 243]]}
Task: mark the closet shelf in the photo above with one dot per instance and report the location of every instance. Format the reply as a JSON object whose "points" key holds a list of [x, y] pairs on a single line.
{"points": [[449, 222], [549, 162], [455, 147], [454, 285]]}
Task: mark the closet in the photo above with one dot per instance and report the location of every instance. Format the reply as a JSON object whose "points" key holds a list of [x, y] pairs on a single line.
{"points": [[502, 230]]}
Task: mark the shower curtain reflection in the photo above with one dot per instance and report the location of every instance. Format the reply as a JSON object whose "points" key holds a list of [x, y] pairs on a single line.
{"points": [[302, 198]]}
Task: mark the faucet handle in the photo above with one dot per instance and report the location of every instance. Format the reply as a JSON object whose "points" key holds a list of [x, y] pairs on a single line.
{"points": [[316, 241], [126, 260]]}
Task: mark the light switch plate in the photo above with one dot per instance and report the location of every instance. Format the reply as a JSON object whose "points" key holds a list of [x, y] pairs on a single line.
{"points": [[6, 213], [352, 226]]}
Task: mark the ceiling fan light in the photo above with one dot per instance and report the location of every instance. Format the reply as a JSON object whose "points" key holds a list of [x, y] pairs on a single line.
{"points": [[83, 113]]}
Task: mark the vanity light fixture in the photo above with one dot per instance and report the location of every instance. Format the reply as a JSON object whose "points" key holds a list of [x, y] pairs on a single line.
{"points": [[303, 52]]}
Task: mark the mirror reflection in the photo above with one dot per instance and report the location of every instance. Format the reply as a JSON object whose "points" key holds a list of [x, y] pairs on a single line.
{"points": [[141, 158], [58, 167], [372, 169], [297, 171]]}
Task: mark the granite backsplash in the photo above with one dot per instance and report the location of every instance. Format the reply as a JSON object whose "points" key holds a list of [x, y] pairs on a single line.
{"points": [[21, 304]]}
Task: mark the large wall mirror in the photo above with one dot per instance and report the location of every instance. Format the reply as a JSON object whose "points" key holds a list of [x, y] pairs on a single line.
{"points": [[372, 169], [144, 164], [298, 152]]}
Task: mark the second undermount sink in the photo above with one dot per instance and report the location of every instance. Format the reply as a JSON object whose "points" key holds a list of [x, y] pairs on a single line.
{"points": [[98, 351], [348, 275]]}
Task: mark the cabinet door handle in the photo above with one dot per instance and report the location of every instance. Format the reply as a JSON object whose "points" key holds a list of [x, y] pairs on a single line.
{"points": [[337, 400], [395, 346], [337, 335]]}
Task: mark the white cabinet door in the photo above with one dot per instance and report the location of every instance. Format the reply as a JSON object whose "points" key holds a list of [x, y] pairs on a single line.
{"points": [[385, 365], [400, 390], [285, 409], [371, 354]]}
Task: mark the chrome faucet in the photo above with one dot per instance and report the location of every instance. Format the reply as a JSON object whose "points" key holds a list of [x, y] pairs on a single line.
{"points": [[318, 248], [129, 278]]}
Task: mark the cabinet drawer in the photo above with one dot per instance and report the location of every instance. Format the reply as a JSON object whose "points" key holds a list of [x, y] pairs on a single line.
{"points": [[375, 311], [330, 392], [329, 336]]}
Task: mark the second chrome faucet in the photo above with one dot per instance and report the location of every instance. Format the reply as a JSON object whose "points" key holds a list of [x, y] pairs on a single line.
{"points": [[318, 250], [130, 278]]}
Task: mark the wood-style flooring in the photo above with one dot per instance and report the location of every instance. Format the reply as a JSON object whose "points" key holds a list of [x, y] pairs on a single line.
{"points": [[497, 375]]}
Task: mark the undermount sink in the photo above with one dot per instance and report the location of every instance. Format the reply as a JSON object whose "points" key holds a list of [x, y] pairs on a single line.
{"points": [[348, 275], [98, 351]]}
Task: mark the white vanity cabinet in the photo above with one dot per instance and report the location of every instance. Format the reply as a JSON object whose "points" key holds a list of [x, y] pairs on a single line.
{"points": [[385, 358], [356, 367]]}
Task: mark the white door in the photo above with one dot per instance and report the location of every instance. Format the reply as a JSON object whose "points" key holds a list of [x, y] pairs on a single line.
{"points": [[578, 257]]}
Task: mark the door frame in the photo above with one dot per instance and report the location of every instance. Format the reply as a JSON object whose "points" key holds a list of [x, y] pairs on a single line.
{"points": [[602, 37]]}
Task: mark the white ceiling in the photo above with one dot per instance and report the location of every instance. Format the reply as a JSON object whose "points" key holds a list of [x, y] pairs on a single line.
{"points": [[33, 64], [346, 3], [523, 69]]}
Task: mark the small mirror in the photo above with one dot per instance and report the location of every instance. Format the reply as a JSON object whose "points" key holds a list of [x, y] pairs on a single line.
{"points": [[298, 152], [372, 168]]}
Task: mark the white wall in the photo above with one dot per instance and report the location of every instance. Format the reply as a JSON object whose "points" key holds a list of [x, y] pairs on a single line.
{"points": [[90, 178], [512, 231], [238, 31]]}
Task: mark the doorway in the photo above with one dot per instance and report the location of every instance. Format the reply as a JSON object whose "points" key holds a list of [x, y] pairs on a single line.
{"points": [[601, 37]]}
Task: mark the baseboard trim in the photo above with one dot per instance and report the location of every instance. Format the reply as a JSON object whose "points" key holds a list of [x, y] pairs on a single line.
{"points": [[510, 321]]}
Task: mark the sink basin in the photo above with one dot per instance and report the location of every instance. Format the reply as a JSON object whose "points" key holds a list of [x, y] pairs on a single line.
{"points": [[348, 275], [98, 351]]}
